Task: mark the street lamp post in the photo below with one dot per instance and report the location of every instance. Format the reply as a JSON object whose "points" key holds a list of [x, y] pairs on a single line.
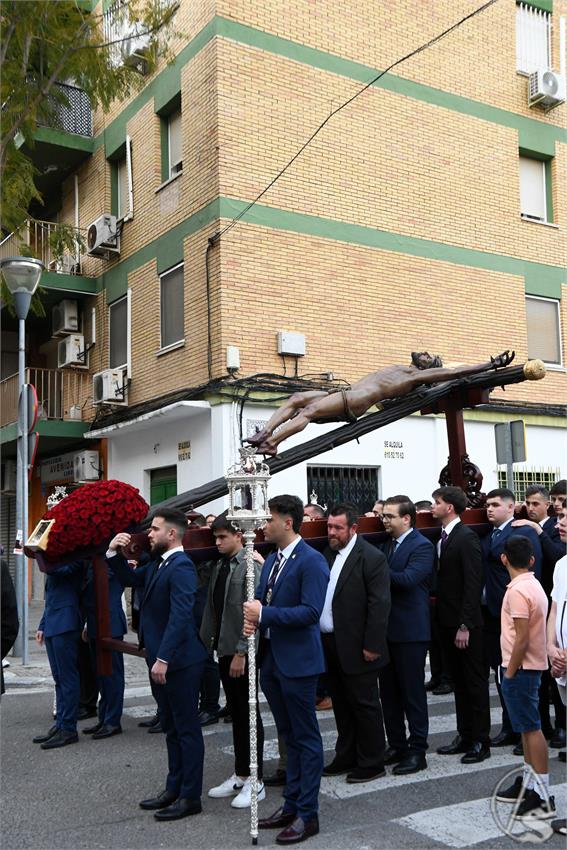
{"points": [[22, 275]]}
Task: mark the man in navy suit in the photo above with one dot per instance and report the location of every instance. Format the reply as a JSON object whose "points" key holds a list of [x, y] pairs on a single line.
{"points": [[175, 656], [60, 629], [537, 502], [111, 688], [500, 505], [411, 558], [288, 605]]}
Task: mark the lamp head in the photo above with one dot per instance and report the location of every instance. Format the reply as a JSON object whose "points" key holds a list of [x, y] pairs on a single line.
{"points": [[22, 276]]}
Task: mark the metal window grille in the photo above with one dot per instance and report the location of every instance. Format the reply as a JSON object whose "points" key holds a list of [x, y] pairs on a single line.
{"points": [[74, 115], [524, 477], [533, 38], [356, 484]]}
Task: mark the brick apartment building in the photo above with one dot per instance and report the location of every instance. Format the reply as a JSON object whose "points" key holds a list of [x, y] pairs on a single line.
{"points": [[428, 214]]}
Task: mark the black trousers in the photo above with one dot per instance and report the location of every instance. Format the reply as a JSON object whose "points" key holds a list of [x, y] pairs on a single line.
{"points": [[87, 676], [357, 710], [548, 696], [236, 691], [438, 661], [493, 660], [403, 695], [210, 687], [470, 683]]}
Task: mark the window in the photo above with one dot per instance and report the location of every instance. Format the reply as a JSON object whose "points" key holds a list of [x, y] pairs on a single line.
{"points": [[172, 309], [533, 189], [332, 484], [533, 38], [122, 188], [118, 333], [174, 155], [542, 318], [523, 478]]}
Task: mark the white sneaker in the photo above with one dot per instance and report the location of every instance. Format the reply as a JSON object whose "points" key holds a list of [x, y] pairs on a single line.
{"points": [[230, 786], [243, 799]]}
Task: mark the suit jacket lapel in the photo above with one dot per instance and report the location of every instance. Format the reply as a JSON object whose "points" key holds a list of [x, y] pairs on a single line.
{"points": [[453, 536], [289, 562], [155, 575], [347, 569]]}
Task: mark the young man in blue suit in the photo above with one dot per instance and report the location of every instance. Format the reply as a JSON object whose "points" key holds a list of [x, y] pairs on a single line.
{"points": [[111, 688], [288, 605], [175, 656], [411, 558], [60, 629], [500, 505]]}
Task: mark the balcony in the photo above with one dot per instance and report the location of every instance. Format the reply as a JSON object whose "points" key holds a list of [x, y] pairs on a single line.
{"points": [[62, 395], [60, 248], [71, 111]]}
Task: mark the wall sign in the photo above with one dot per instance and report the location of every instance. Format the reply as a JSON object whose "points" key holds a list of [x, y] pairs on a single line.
{"points": [[58, 468], [394, 449], [184, 450]]}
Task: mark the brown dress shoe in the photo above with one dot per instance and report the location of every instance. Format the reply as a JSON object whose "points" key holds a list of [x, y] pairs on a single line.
{"points": [[297, 831], [277, 820]]}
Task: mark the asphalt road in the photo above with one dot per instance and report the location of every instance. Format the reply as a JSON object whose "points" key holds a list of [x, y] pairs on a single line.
{"points": [[86, 795]]}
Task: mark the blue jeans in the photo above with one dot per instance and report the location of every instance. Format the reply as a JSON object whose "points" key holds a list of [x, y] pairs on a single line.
{"points": [[521, 695]]}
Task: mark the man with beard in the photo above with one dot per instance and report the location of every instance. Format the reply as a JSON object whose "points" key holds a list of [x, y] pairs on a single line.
{"points": [[175, 656]]}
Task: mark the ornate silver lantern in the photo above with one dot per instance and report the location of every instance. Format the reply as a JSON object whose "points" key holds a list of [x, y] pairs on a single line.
{"points": [[248, 511]]}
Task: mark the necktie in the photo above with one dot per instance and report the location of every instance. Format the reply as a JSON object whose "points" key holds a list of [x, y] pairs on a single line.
{"points": [[161, 562], [278, 563], [444, 538], [394, 547], [495, 535]]}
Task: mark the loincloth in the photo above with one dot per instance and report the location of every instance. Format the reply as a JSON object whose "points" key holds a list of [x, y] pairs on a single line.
{"points": [[348, 415]]}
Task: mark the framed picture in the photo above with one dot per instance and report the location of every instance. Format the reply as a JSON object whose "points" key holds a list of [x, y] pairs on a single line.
{"points": [[38, 537]]}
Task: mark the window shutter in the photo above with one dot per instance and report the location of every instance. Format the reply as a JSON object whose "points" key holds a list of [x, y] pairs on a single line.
{"points": [[172, 309], [532, 188], [175, 153], [543, 329]]}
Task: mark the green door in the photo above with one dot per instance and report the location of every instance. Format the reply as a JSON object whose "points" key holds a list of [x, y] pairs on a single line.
{"points": [[163, 484]]}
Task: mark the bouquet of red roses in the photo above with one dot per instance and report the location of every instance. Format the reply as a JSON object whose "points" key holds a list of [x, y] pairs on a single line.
{"points": [[92, 515]]}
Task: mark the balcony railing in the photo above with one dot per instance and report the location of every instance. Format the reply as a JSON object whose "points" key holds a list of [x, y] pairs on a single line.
{"points": [[75, 116], [39, 239], [61, 393]]}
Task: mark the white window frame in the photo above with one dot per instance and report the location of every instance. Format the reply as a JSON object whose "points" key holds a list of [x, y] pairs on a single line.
{"points": [[541, 163], [127, 365], [178, 343], [533, 39], [175, 168], [549, 364], [124, 165]]}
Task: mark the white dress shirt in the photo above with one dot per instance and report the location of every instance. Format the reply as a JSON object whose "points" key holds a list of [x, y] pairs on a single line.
{"points": [[326, 622]]}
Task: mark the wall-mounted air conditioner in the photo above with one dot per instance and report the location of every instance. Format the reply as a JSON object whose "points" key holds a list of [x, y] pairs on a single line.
{"points": [[135, 50], [102, 237], [109, 387], [86, 466], [546, 88], [71, 351], [65, 317]]}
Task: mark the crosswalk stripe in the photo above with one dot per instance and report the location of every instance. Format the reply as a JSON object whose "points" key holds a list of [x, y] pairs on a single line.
{"points": [[462, 825]]}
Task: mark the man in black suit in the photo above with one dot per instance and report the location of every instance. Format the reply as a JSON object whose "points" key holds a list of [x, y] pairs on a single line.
{"points": [[353, 628], [459, 591], [537, 502], [411, 558]]}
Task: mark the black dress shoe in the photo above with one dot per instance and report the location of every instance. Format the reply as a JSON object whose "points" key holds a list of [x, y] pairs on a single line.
{"points": [[557, 739], [392, 756], [107, 732], [85, 713], [207, 718], [478, 752], [335, 768], [504, 739], [299, 830], [365, 774], [61, 738], [457, 745], [275, 780], [224, 712], [278, 820], [182, 808], [442, 689], [166, 798], [411, 763], [147, 724], [41, 739], [433, 683], [156, 728], [90, 730]]}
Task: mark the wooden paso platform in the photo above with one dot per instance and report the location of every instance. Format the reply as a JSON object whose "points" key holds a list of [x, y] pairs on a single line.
{"points": [[199, 544]]}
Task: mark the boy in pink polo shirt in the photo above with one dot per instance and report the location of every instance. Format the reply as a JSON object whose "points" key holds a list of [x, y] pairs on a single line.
{"points": [[524, 657]]}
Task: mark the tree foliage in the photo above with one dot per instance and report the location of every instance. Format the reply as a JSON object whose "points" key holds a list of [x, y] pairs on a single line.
{"points": [[43, 43]]}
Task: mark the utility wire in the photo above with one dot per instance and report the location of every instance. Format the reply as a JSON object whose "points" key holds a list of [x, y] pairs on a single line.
{"points": [[346, 103]]}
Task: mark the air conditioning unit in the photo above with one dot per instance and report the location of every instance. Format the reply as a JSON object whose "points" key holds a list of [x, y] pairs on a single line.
{"points": [[86, 466], [102, 237], [65, 317], [135, 50], [109, 387], [8, 476], [71, 351], [546, 88]]}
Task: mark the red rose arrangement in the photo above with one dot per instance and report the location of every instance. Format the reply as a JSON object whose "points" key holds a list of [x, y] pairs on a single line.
{"points": [[92, 515]]}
